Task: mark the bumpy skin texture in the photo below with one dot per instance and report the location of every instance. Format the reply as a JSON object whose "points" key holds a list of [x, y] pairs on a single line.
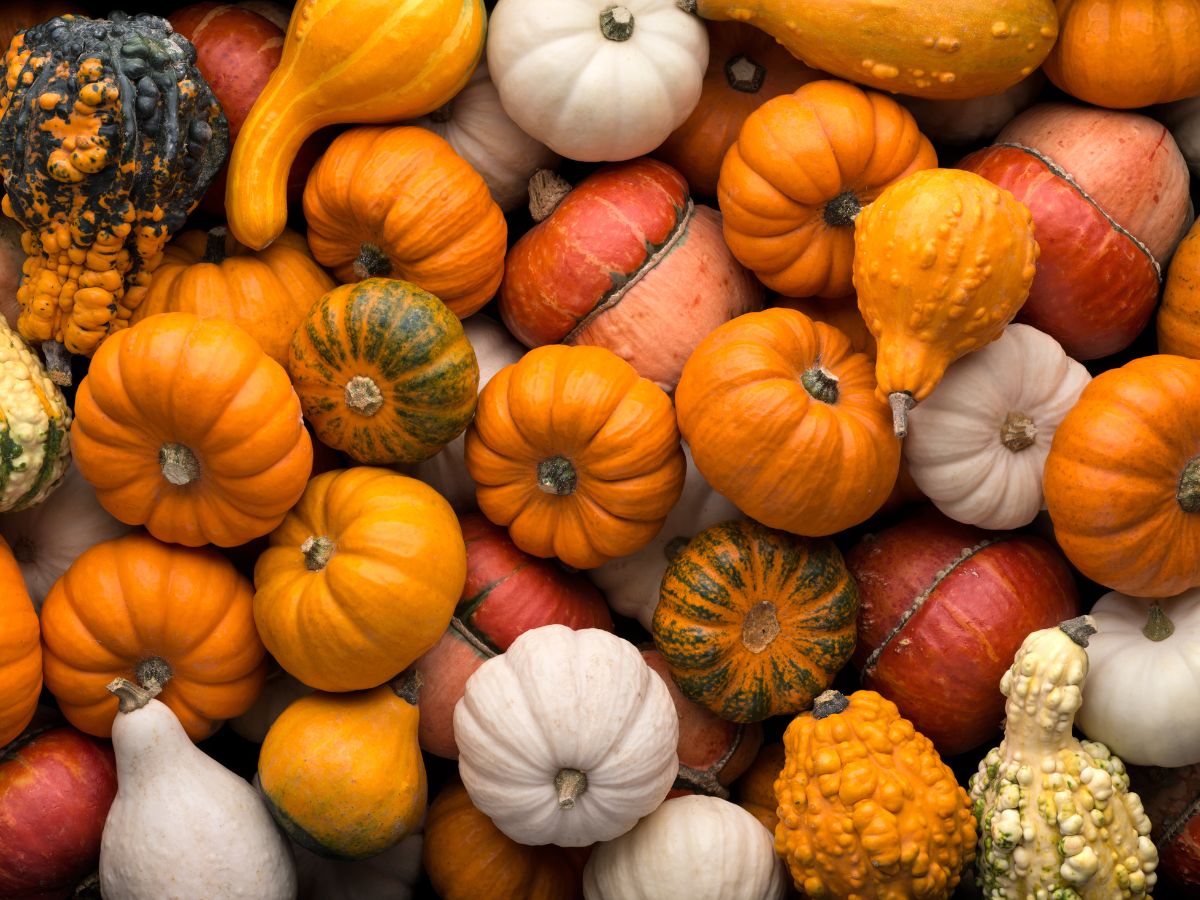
{"points": [[1056, 816], [34, 421], [109, 135], [867, 808]]}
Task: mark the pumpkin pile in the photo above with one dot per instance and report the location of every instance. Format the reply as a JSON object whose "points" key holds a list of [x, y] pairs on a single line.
{"points": [[619, 450]]}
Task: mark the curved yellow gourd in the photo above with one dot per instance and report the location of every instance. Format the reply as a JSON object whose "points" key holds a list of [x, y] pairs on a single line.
{"points": [[359, 61]]}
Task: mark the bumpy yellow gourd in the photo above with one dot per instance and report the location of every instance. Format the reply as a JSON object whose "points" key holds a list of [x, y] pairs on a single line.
{"points": [[1056, 816], [943, 260], [867, 809]]}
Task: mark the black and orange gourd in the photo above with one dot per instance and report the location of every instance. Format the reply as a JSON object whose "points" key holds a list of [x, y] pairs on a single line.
{"points": [[109, 135]]}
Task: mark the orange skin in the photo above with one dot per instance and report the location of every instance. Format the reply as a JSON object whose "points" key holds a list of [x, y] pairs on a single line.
{"points": [[20, 650]]}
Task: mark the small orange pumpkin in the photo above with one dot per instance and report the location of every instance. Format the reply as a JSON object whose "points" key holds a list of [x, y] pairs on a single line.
{"points": [[755, 790], [400, 203], [186, 426], [147, 611], [840, 312], [803, 167], [20, 650], [576, 454], [1178, 322]]}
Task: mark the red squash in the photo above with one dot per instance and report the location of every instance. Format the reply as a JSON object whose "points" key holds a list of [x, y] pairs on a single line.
{"points": [[944, 607], [507, 593], [713, 752], [1172, 801], [1109, 196], [56, 786], [624, 261], [238, 45]]}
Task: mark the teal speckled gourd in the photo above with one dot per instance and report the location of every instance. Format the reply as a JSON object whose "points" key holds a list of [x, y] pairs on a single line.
{"points": [[1056, 816]]}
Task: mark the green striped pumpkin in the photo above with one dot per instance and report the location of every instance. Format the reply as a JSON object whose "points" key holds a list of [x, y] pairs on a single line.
{"points": [[34, 422], [384, 371], [755, 622]]}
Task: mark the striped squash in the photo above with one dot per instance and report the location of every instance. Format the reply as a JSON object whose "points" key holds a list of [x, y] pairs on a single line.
{"points": [[384, 371], [755, 622], [34, 421]]}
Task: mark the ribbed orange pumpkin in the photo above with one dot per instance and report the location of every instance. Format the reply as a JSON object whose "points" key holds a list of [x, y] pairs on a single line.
{"points": [[746, 68], [186, 426], [144, 610], [400, 203], [867, 807], [576, 454], [782, 418], [20, 650], [266, 293], [803, 167], [1178, 321], [840, 312], [1122, 478]]}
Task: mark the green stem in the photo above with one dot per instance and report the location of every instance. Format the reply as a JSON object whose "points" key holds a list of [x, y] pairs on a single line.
{"points": [[557, 476], [316, 549], [842, 210], [372, 262], [744, 74], [821, 384], [1158, 626], [829, 703]]}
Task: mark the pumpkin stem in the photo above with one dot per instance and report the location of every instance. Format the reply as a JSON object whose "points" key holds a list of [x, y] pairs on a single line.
{"points": [[842, 210], [1188, 494], [821, 384], [829, 703], [178, 463], [407, 686], [443, 113], [130, 696], [760, 627], [316, 549], [744, 74], [58, 362], [1079, 629], [675, 546], [89, 887], [616, 23], [1017, 432], [546, 190], [363, 395], [1158, 626], [216, 245], [901, 402], [24, 550], [372, 262], [153, 673], [556, 475], [570, 784], [688, 6]]}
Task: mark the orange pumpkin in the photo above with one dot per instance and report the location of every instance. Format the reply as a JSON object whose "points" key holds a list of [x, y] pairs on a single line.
{"points": [[20, 650], [469, 858], [746, 68], [1122, 479], [1126, 53], [576, 454], [781, 417], [147, 611], [803, 167], [840, 312], [755, 790], [186, 426], [400, 203], [1178, 322], [212, 275]]}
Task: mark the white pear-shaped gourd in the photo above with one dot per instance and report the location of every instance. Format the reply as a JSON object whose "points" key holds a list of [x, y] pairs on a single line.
{"points": [[182, 826], [567, 737], [690, 848], [1056, 817], [977, 445]]}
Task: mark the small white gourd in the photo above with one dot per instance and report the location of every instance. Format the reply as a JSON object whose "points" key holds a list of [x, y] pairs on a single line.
{"points": [[567, 737], [977, 445], [182, 826], [690, 848]]}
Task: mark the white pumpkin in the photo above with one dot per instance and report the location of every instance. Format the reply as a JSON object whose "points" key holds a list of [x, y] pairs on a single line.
{"points": [[475, 124], [977, 445], [446, 472], [1182, 119], [630, 583], [390, 875], [567, 737], [597, 79], [690, 848], [278, 693], [1143, 679], [182, 826], [47, 538]]}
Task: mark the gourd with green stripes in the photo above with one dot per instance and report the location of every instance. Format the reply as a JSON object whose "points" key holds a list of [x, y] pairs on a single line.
{"points": [[1056, 816], [34, 422]]}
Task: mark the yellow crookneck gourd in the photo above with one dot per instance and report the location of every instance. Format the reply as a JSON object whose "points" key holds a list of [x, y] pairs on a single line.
{"points": [[361, 61], [1056, 816], [943, 261]]}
